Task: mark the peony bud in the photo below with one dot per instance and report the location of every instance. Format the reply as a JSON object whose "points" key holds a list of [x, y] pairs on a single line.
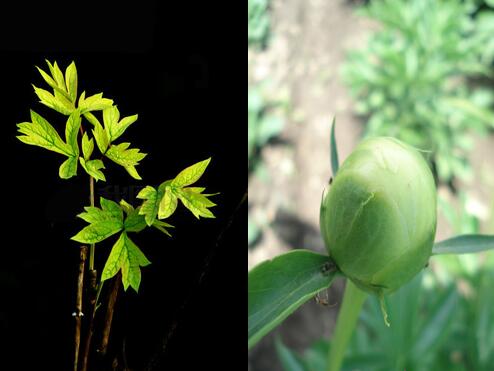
{"points": [[378, 219]]}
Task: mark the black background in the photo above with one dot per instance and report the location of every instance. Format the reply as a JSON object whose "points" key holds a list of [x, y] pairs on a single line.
{"points": [[176, 64]]}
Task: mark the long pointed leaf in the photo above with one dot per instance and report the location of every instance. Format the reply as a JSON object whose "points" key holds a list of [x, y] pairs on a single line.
{"points": [[436, 327], [464, 244], [289, 359], [278, 287], [335, 164]]}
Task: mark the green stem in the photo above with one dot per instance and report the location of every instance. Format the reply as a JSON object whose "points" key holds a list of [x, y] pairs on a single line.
{"points": [[353, 299], [91, 200]]}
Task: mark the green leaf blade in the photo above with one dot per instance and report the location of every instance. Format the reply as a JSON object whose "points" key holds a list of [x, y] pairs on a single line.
{"points": [[40, 133], [72, 131], [102, 140], [68, 169], [278, 287], [95, 102], [111, 116], [97, 232], [71, 81], [464, 244], [87, 146], [161, 226], [151, 204], [93, 168], [134, 222], [104, 222], [127, 257], [190, 174], [120, 128], [335, 163], [436, 327], [197, 203], [168, 204], [56, 102], [128, 158]]}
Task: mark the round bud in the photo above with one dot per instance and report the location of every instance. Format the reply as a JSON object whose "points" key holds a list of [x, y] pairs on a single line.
{"points": [[378, 219]]}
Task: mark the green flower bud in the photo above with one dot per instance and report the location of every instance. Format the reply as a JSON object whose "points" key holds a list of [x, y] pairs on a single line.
{"points": [[378, 219]]}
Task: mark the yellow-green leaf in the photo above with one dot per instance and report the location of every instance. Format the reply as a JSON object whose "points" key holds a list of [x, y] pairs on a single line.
{"points": [[168, 204], [104, 222], [128, 158], [72, 131], [58, 103], [93, 168], [151, 204], [71, 81], [87, 146], [127, 257], [40, 133], [101, 138], [95, 102], [68, 169], [191, 174]]}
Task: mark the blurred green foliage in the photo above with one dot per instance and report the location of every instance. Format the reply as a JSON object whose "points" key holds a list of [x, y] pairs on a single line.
{"points": [[264, 122], [434, 326], [259, 23], [410, 79], [265, 116]]}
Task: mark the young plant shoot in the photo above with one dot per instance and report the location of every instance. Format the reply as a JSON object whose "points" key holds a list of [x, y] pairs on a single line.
{"points": [[82, 130], [378, 218], [378, 222]]}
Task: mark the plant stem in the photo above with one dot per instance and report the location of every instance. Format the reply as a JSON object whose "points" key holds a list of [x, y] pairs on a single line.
{"points": [[112, 298], [78, 306], [353, 299], [90, 330], [91, 200], [93, 295]]}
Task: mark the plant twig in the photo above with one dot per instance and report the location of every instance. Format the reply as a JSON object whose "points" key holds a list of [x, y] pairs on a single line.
{"points": [[78, 306], [112, 298], [155, 359], [93, 294], [90, 330], [91, 200]]}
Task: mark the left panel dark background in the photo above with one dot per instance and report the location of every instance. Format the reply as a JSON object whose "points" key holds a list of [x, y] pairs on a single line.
{"points": [[174, 67]]}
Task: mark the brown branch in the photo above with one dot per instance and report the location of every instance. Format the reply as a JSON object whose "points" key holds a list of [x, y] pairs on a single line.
{"points": [[93, 300], [112, 298], [78, 306]]}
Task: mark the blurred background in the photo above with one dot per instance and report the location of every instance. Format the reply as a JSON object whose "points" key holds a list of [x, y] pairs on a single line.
{"points": [[421, 71]]}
